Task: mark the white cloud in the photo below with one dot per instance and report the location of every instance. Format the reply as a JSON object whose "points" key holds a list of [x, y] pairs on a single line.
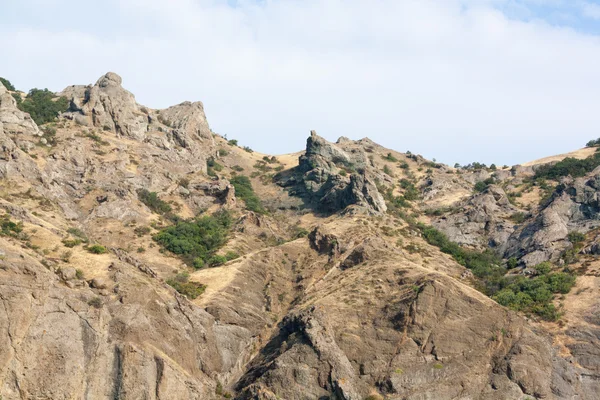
{"points": [[451, 79]]}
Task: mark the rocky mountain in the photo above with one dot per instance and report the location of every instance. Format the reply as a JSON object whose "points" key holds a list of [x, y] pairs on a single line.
{"points": [[143, 256]]}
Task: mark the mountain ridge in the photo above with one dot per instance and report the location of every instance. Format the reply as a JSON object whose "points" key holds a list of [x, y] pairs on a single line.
{"points": [[329, 282]]}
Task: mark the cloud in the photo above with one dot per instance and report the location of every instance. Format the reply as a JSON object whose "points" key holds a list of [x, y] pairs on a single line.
{"points": [[458, 80]]}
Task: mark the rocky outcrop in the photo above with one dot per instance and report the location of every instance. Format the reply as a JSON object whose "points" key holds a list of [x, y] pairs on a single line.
{"points": [[13, 120], [574, 207], [482, 221], [331, 179], [108, 106]]}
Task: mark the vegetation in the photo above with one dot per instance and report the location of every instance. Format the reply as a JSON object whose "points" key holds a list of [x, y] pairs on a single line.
{"points": [[97, 249], [212, 166], [196, 240], [591, 143], [568, 167], [153, 202], [7, 84], [530, 295], [181, 283], [535, 295], [8, 227], [481, 186], [244, 191], [390, 157], [43, 105], [232, 142]]}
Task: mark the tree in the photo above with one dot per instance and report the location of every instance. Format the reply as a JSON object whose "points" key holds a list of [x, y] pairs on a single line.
{"points": [[43, 105], [7, 84]]}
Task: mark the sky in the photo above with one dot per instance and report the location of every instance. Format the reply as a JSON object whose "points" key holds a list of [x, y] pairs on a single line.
{"points": [[493, 81]]}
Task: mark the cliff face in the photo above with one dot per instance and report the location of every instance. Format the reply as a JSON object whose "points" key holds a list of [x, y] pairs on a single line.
{"points": [[334, 294]]}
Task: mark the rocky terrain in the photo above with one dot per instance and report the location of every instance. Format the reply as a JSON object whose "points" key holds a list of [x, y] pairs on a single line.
{"points": [[144, 256]]}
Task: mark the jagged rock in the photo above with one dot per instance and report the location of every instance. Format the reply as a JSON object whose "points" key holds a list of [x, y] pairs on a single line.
{"points": [[574, 206], [321, 178], [323, 242], [13, 120], [480, 221]]}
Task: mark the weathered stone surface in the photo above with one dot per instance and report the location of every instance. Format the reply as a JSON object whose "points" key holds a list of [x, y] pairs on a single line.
{"points": [[322, 179]]}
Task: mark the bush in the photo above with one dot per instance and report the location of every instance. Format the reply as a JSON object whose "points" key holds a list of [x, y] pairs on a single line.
{"points": [[518, 217], [182, 285], [390, 157], [97, 249], [232, 142], [43, 105], [576, 237], [568, 166], [8, 227], [248, 149], [244, 191], [217, 260], [153, 202], [591, 143], [70, 243], [223, 152], [231, 255], [481, 186], [196, 240], [535, 295], [7, 84]]}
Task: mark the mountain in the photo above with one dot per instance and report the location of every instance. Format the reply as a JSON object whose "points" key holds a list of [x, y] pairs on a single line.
{"points": [[144, 256]]}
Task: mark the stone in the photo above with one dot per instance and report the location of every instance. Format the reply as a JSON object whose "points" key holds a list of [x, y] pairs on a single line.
{"points": [[68, 273]]}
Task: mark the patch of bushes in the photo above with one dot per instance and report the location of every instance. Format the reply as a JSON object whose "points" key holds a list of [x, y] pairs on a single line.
{"points": [[232, 142], [535, 295], [569, 166], [248, 149], [70, 243], [212, 166], [8, 227], [43, 105], [153, 202], [7, 84], [244, 191], [591, 143], [223, 152], [576, 237], [481, 186], [181, 283], [97, 249], [196, 240], [390, 157], [141, 230], [518, 217], [485, 265]]}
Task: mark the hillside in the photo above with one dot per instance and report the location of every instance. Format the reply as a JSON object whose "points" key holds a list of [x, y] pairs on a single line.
{"points": [[144, 256]]}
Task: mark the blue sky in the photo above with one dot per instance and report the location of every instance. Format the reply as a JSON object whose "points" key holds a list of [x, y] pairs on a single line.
{"points": [[502, 81]]}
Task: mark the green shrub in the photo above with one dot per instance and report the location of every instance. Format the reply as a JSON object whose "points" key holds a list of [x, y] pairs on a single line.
{"points": [[198, 263], [518, 217], [217, 260], [181, 284], [248, 149], [153, 202], [197, 239], [568, 166], [512, 263], [387, 170], [7, 84], [231, 255], [576, 237], [43, 105], [8, 227], [244, 191], [535, 295], [232, 142], [591, 143], [97, 249], [223, 152], [71, 242]]}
